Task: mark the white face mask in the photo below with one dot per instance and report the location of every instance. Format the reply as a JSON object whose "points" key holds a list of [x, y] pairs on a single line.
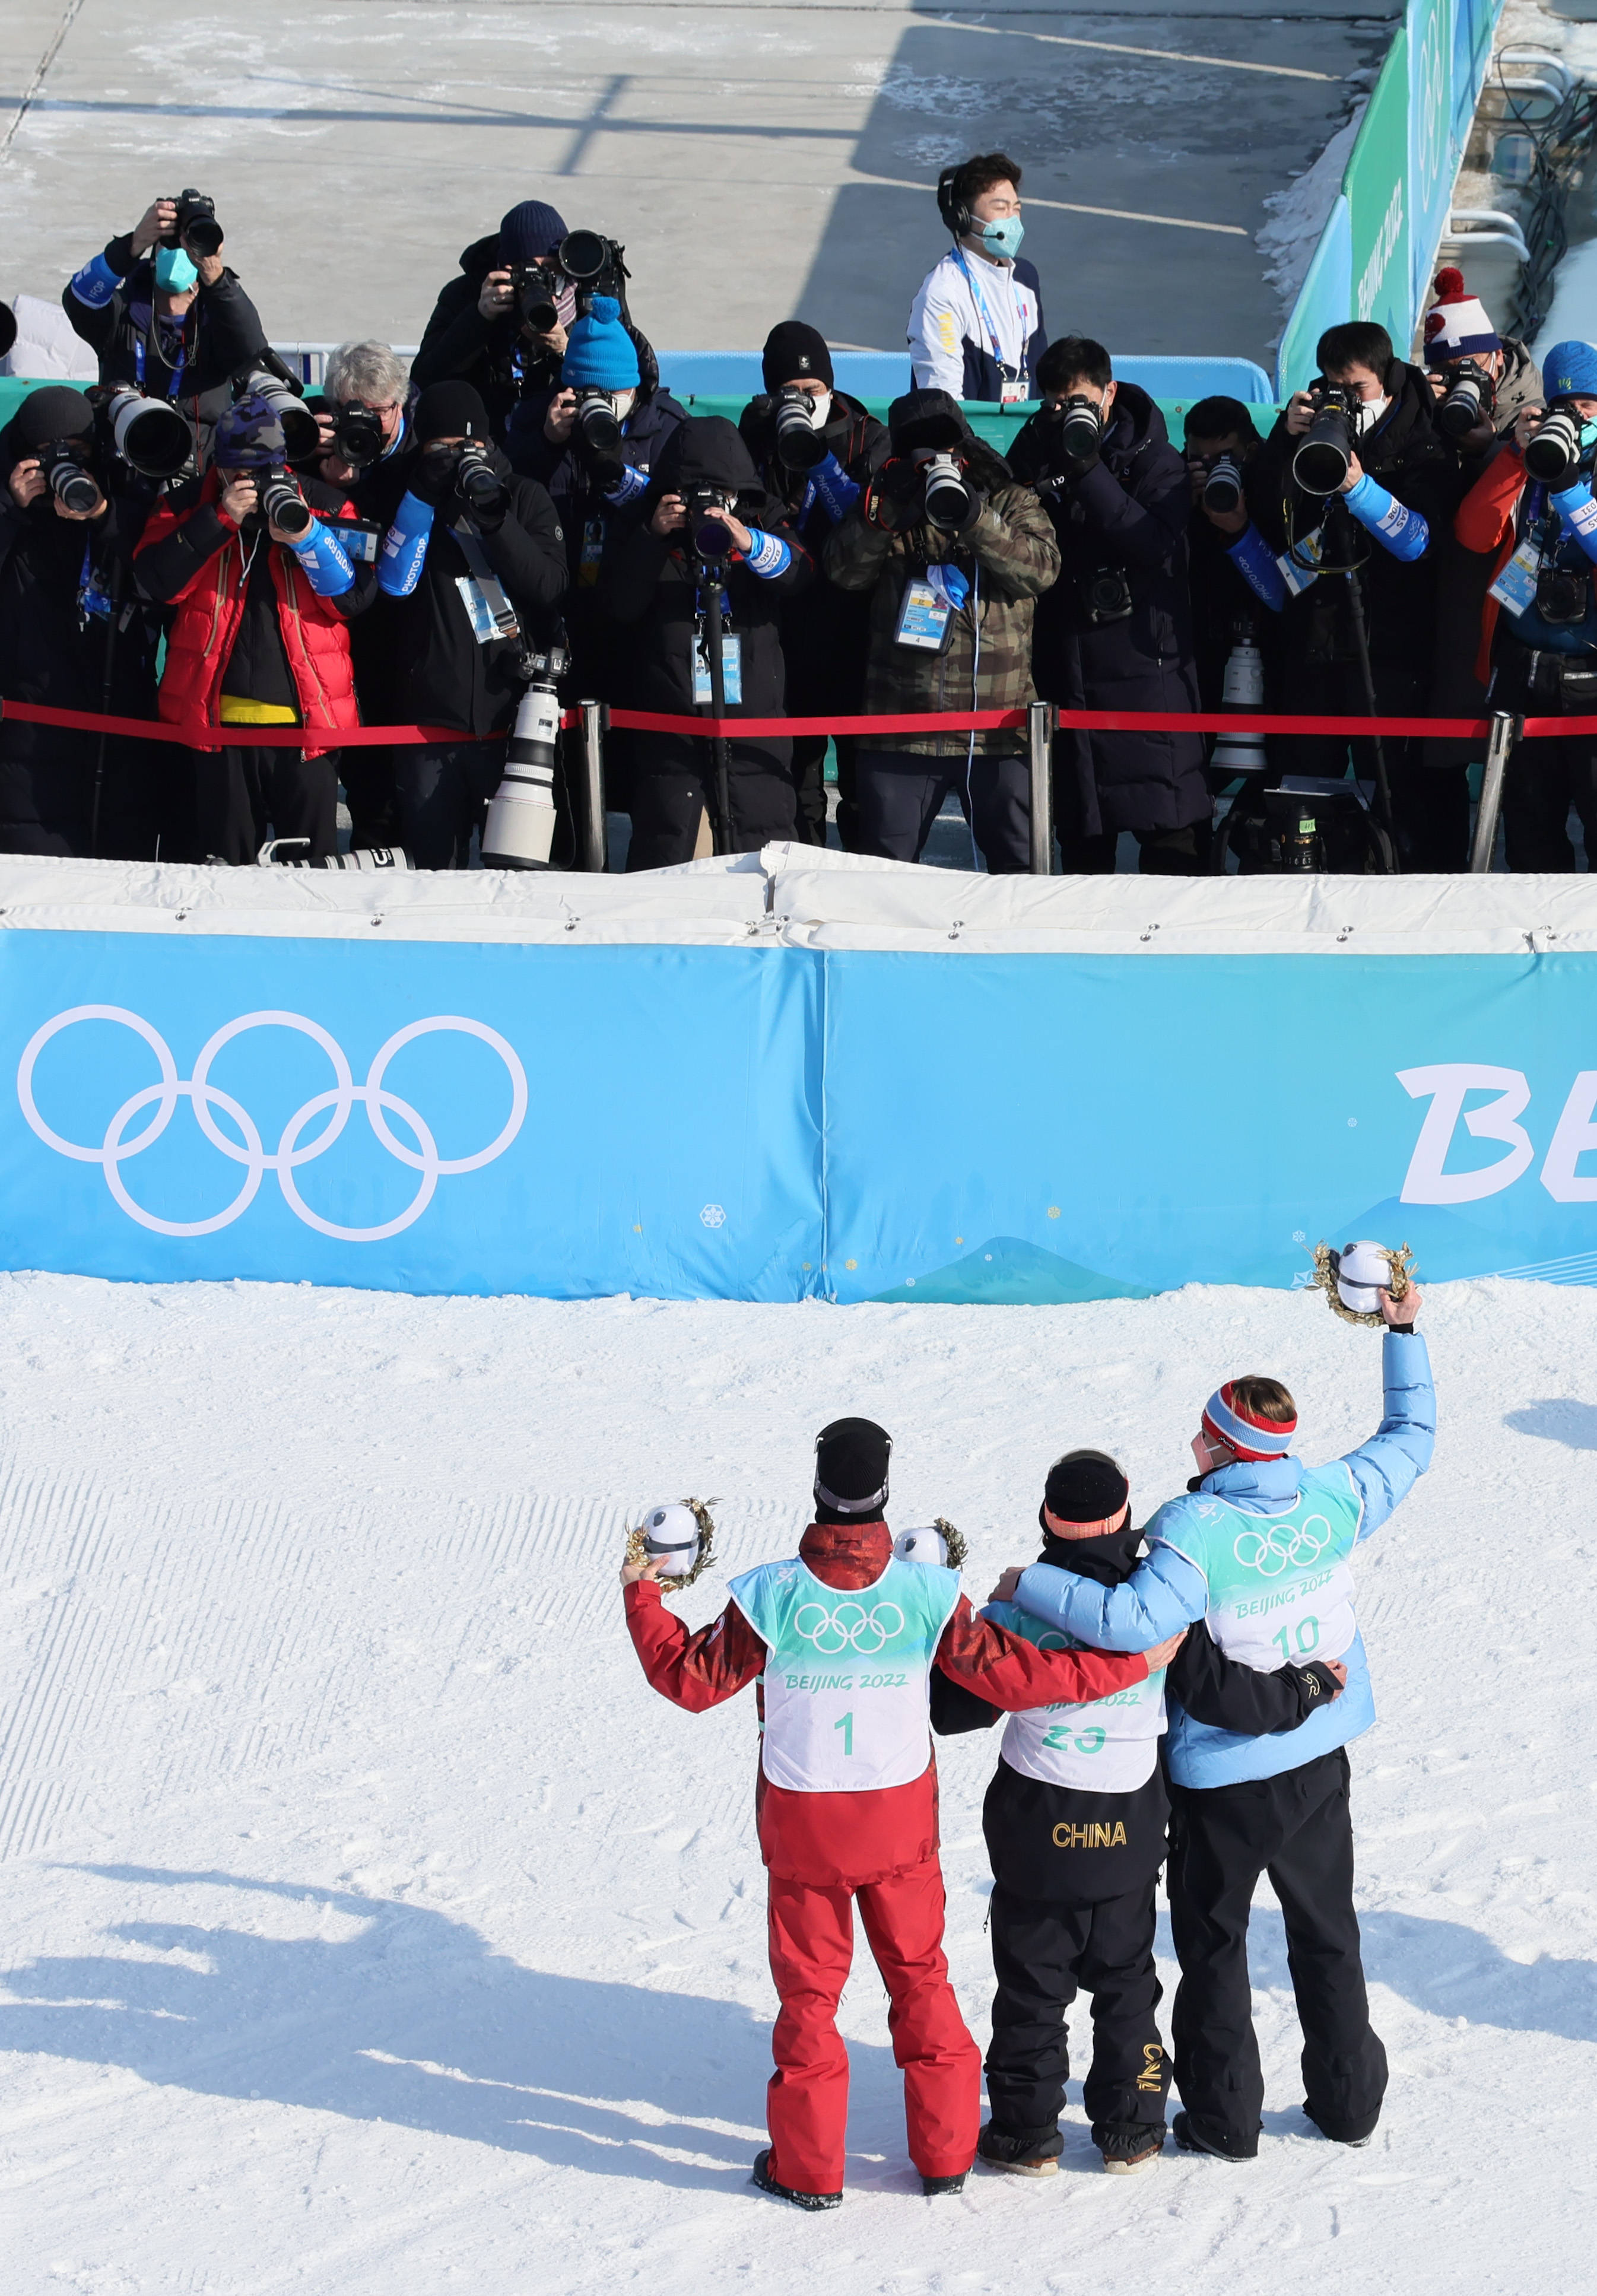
{"points": [[622, 401], [821, 409], [1370, 413]]}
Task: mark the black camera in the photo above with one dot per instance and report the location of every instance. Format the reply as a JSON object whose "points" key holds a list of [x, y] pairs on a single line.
{"points": [[801, 445], [1324, 453], [476, 482], [67, 468], [150, 435], [592, 263], [1080, 427], [712, 541], [536, 291], [1563, 593], [596, 425], [282, 504], [1471, 397], [358, 434], [1222, 487], [1105, 594], [195, 226], [1553, 454]]}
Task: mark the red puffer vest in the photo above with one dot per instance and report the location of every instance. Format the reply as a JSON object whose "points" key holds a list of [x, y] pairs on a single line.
{"points": [[315, 637]]}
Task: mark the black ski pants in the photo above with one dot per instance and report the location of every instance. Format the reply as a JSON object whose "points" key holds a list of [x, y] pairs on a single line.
{"points": [[443, 795], [671, 788], [1043, 1955], [898, 794], [1298, 1829], [242, 796]]}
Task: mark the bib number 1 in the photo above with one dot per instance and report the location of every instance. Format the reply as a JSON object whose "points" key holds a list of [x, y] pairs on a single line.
{"points": [[844, 1723]]}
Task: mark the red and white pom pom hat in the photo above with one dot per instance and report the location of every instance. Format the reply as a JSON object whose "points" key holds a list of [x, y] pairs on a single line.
{"points": [[1456, 327]]}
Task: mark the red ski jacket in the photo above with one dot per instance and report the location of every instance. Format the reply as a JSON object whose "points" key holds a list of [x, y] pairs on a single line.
{"points": [[848, 1841]]}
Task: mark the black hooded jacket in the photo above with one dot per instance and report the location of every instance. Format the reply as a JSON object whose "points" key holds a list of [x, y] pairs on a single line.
{"points": [[221, 331], [1125, 513], [648, 584], [1410, 457], [1024, 1817]]}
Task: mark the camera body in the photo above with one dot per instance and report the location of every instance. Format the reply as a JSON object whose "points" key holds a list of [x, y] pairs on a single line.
{"points": [[358, 434], [710, 540], [952, 503], [1325, 454], [1080, 427], [1552, 454], [1563, 593], [282, 504], [67, 468], [1104, 595], [476, 483], [536, 291], [195, 228], [1470, 400], [597, 426], [801, 445], [149, 434], [1222, 487]]}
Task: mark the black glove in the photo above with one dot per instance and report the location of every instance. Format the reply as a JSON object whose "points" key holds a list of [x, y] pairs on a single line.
{"points": [[895, 496], [432, 477], [978, 503], [488, 517]]}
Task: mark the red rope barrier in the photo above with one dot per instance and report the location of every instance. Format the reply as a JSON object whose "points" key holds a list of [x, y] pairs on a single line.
{"points": [[244, 737]]}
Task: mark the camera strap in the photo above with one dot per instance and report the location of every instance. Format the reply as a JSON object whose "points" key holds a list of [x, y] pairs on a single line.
{"points": [[483, 594], [1515, 587]]}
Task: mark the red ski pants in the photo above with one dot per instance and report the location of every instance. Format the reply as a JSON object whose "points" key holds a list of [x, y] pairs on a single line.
{"points": [[812, 1947]]}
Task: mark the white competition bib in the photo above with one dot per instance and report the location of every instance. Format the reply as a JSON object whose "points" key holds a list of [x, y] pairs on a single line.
{"points": [[1109, 1746]]}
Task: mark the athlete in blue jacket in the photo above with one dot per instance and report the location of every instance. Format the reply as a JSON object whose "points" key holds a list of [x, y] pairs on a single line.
{"points": [[1260, 1547]]}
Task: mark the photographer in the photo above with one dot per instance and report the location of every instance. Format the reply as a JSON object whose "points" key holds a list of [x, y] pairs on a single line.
{"points": [[954, 555], [707, 520], [976, 326], [162, 311], [368, 439], [1219, 437], [471, 568], [1472, 369], [1531, 518], [71, 638], [1357, 574], [1115, 632], [814, 450], [263, 592]]}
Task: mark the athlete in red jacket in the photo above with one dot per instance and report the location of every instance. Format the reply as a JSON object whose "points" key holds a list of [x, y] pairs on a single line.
{"points": [[846, 1797]]}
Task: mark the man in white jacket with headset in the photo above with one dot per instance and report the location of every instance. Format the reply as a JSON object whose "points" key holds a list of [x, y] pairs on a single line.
{"points": [[975, 328]]}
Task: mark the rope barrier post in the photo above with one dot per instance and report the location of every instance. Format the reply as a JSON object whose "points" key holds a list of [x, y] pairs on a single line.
{"points": [[1500, 747], [592, 843], [1039, 742]]}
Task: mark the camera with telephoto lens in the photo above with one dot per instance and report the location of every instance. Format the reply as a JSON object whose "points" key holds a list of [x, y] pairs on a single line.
{"points": [[358, 434], [1325, 454], [519, 833], [67, 470], [301, 437], [1552, 454], [952, 501], [595, 423], [195, 227], [800, 444], [476, 483], [1079, 427], [149, 434], [1471, 397], [1104, 594], [536, 290], [592, 263], [1222, 487], [8, 328], [711, 542], [282, 504]]}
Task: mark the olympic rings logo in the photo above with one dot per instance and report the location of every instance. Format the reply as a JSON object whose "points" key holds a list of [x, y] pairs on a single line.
{"points": [[1268, 1553], [116, 1149], [850, 1627]]}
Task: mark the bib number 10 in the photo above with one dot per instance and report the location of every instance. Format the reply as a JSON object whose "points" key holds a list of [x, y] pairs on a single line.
{"points": [[1306, 1637]]}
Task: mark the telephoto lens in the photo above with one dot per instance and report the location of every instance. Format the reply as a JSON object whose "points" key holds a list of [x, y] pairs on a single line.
{"points": [[8, 328], [1080, 428], [596, 420], [282, 504], [584, 256], [533, 287], [358, 433], [520, 830], [1554, 453], [799, 443], [951, 502], [1468, 401], [1324, 453], [150, 434], [64, 465], [196, 226], [301, 437], [1223, 488], [476, 482]]}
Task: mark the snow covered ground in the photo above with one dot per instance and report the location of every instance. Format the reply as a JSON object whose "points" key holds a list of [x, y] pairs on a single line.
{"points": [[369, 1927]]}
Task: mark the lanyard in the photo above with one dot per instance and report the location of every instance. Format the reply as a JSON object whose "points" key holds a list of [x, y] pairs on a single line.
{"points": [[177, 371], [981, 305]]}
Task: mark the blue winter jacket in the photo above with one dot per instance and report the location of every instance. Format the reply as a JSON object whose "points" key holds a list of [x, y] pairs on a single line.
{"points": [[1166, 1593]]}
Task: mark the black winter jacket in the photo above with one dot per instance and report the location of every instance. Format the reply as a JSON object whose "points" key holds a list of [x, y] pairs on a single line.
{"points": [[221, 332], [825, 631], [647, 583], [1419, 468], [440, 675], [1126, 512]]}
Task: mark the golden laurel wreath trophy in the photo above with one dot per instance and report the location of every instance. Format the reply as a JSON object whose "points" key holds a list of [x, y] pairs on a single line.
{"points": [[1351, 1278], [680, 1538], [940, 1544]]}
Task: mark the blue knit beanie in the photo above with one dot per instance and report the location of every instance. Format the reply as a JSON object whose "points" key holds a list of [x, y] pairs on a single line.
{"points": [[1569, 370], [531, 232], [600, 353]]}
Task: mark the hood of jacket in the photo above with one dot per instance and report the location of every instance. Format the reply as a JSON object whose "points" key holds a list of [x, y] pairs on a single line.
{"points": [[1408, 427], [1136, 424], [707, 450], [1272, 1484], [480, 258], [986, 465], [1108, 1560], [1520, 387]]}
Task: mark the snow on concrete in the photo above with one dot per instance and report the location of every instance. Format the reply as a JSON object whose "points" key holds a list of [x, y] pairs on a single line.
{"points": [[369, 1926]]}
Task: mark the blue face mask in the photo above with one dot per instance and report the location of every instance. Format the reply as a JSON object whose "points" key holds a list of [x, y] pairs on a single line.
{"points": [[1004, 238], [1588, 434], [174, 273]]}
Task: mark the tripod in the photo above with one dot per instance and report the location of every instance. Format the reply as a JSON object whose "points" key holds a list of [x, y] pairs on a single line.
{"points": [[713, 570]]}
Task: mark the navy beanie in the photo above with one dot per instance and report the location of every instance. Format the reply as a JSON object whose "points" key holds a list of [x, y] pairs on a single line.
{"points": [[531, 232], [600, 353], [793, 352]]}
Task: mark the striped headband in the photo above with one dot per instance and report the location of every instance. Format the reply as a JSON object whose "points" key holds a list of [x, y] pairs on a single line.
{"points": [[1241, 1433]]}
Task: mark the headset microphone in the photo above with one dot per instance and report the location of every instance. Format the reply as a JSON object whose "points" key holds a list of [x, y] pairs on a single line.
{"points": [[955, 212]]}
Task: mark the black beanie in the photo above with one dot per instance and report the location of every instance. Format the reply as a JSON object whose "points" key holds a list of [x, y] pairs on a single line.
{"points": [[451, 410], [56, 412], [793, 352], [1086, 1487], [851, 1470]]}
